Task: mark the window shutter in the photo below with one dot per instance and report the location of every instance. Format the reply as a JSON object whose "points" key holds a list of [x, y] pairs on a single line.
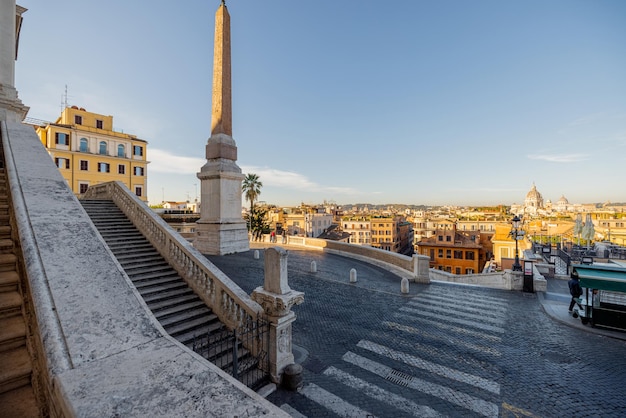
{"points": [[56, 137], [67, 163]]}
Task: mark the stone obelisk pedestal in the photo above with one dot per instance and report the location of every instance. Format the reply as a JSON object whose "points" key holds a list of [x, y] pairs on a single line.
{"points": [[221, 228]]}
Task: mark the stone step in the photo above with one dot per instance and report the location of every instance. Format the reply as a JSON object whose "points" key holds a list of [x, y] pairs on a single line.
{"points": [[15, 369], [193, 324], [148, 291], [157, 281], [6, 245], [5, 231], [163, 314], [9, 281], [19, 403], [7, 262], [185, 318], [140, 253], [10, 304], [12, 333], [142, 279], [142, 261], [162, 268], [160, 304], [188, 337], [168, 295]]}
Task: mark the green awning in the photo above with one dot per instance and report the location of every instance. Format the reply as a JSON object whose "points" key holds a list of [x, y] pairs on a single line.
{"points": [[602, 277]]}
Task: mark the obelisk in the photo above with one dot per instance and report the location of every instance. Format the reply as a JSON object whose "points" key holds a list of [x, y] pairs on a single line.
{"points": [[11, 107], [221, 228]]}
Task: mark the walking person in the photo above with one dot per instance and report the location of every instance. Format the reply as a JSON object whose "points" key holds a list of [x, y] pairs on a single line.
{"points": [[574, 289]]}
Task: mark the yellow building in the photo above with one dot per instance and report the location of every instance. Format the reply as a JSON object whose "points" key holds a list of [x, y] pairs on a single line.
{"points": [[87, 151]]}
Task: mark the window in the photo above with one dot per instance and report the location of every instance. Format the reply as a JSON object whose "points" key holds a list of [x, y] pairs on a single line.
{"points": [[440, 238], [103, 148], [138, 171], [121, 151], [432, 255], [440, 253], [78, 120], [448, 238], [62, 162], [84, 165], [448, 253], [103, 167], [137, 150], [121, 169], [138, 190], [99, 124], [84, 145], [457, 270], [61, 138], [469, 255], [469, 271], [458, 254], [82, 187]]}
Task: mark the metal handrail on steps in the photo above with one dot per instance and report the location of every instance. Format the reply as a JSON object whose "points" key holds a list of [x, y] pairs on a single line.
{"points": [[232, 305]]}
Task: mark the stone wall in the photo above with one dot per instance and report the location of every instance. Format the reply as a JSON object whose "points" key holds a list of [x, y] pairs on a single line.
{"points": [[414, 268], [101, 350]]}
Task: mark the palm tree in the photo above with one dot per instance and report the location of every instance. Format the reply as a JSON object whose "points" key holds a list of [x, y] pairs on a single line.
{"points": [[251, 188]]}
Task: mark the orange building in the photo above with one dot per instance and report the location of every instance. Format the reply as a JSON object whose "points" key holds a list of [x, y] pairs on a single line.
{"points": [[453, 251]]}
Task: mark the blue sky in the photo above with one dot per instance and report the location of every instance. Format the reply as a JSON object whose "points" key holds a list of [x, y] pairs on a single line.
{"points": [[410, 101]]}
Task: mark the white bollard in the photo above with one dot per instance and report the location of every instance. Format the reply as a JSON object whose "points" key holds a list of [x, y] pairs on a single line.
{"points": [[353, 276], [313, 267], [256, 254], [404, 285]]}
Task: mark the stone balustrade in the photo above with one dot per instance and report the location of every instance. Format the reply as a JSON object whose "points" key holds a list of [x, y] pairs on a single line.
{"points": [[414, 268], [228, 301]]}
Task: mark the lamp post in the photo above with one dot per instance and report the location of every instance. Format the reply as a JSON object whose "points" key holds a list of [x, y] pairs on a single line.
{"points": [[515, 234]]}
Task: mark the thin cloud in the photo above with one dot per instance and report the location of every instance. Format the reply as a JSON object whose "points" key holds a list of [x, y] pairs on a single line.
{"points": [[559, 158], [162, 161], [290, 180]]}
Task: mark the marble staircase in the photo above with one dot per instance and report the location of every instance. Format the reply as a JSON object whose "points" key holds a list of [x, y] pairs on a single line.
{"points": [[178, 309], [17, 398]]}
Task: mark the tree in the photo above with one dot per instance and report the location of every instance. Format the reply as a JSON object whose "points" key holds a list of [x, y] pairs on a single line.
{"points": [[251, 189]]}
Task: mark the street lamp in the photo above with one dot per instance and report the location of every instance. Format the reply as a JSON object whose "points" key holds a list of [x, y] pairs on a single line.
{"points": [[515, 234]]}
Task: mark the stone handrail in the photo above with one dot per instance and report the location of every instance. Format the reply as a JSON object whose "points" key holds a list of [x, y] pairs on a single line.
{"points": [[415, 268], [228, 301]]}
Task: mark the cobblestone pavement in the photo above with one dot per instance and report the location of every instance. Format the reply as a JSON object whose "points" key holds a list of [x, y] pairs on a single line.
{"points": [[442, 350]]}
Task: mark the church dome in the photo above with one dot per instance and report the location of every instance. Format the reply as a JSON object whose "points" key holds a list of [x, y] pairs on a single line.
{"points": [[534, 194], [563, 201]]}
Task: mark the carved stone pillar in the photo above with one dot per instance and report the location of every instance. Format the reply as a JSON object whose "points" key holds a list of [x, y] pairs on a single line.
{"points": [[277, 298]]}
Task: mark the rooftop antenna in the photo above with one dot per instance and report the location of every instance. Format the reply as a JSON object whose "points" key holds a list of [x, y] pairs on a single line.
{"points": [[64, 98]]}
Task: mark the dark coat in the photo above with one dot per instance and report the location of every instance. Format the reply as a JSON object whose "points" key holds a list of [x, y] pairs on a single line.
{"points": [[574, 288]]}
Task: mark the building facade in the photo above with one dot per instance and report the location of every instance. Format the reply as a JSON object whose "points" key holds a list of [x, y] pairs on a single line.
{"points": [[453, 251], [88, 151]]}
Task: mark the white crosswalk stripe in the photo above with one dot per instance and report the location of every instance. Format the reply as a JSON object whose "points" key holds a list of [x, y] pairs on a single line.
{"points": [[450, 309], [464, 320], [450, 317], [472, 403], [380, 394], [451, 328], [438, 369], [460, 293], [447, 339], [484, 311], [292, 411], [332, 402]]}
